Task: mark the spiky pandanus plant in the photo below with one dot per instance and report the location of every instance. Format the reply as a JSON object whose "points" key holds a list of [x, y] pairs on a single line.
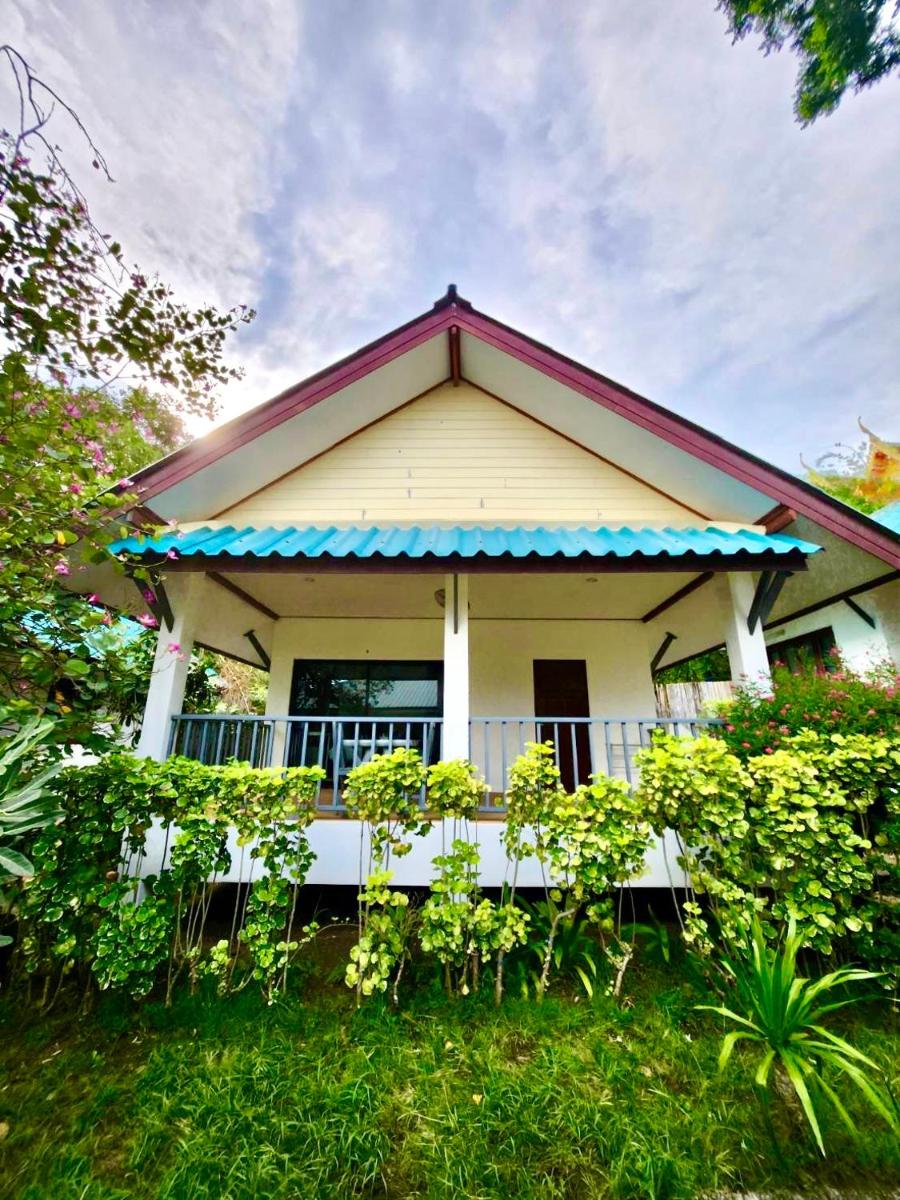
{"points": [[25, 803], [783, 1017]]}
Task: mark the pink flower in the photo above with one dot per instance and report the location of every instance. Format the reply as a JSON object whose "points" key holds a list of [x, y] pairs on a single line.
{"points": [[147, 620], [171, 554], [729, 728], [149, 596], [73, 411], [93, 598], [174, 647], [62, 568], [746, 745], [125, 483], [784, 729], [76, 489], [768, 750]]}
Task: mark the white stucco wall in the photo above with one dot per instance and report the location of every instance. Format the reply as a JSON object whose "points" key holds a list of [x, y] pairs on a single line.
{"points": [[336, 844], [501, 654], [616, 654], [860, 645], [886, 601]]}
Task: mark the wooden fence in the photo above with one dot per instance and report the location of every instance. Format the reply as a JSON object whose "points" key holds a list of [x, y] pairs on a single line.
{"points": [[691, 699]]}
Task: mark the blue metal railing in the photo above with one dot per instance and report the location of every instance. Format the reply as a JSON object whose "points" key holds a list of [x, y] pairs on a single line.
{"points": [[583, 745]]}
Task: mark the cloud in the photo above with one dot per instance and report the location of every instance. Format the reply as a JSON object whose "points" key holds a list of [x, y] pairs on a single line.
{"points": [[618, 180]]}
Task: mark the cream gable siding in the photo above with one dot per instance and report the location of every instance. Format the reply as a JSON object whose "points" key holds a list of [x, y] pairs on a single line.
{"points": [[457, 455]]}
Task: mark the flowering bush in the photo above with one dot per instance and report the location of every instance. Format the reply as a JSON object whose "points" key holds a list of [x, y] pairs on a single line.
{"points": [[759, 721], [98, 365]]}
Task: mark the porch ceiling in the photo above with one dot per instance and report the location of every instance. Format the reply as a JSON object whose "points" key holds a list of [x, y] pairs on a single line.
{"points": [[491, 597]]}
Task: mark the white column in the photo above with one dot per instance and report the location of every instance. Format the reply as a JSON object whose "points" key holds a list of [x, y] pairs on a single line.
{"points": [[456, 667], [746, 651], [278, 695], [165, 695]]}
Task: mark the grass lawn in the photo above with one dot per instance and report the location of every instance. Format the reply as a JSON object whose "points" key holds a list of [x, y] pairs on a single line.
{"points": [[219, 1100]]}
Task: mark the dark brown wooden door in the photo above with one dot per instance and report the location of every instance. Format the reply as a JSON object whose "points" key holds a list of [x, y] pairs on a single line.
{"points": [[560, 691]]}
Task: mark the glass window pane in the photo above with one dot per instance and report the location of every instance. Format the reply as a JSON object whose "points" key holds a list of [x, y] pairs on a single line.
{"points": [[350, 688]]}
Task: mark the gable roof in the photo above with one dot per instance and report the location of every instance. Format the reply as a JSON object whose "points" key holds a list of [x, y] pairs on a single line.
{"points": [[455, 316]]}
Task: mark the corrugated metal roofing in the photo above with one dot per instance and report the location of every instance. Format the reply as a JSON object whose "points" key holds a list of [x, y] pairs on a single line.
{"points": [[889, 516], [420, 541]]}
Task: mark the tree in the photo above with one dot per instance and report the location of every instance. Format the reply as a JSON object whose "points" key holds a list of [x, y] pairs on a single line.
{"points": [[841, 44], [865, 476], [98, 365], [701, 668]]}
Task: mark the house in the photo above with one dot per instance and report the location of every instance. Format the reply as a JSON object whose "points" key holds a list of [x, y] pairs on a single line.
{"points": [[862, 623], [458, 539]]}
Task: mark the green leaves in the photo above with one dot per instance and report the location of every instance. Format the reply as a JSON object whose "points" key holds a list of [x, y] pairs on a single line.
{"points": [[387, 793], [837, 702], [80, 905], [26, 803], [454, 789], [782, 1016], [14, 863], [76, 324], [848, 45], [786, 826]]}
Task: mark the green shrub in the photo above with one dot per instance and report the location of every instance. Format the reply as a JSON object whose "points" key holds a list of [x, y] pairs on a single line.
{"points": [[798, 833], [386, 794], [79, 913]]}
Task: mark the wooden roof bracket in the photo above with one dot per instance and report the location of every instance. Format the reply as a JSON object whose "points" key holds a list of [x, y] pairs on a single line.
{"points": [[156, 597], [254, 641], [662, 651], [767, 592], [861, 612]]}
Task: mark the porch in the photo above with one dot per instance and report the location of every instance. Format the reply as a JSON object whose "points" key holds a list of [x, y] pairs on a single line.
{"points": [[361, 664], [466, 655]]}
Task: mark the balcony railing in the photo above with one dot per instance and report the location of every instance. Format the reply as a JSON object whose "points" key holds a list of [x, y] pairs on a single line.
{"points": [[583, 745]]}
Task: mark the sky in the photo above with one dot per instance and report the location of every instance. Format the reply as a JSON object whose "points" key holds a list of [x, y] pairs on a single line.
{"points": [[615, 179]]}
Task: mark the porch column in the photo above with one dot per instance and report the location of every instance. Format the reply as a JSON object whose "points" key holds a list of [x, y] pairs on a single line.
{"points": [[165, 695], [456, 667], [746, 651]]}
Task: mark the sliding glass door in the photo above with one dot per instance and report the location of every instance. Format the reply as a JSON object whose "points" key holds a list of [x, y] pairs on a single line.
{"points": [[359, 708]]}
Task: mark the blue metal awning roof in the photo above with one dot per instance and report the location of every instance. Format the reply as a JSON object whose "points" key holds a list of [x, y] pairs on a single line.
{"points": [[417, 542]]}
